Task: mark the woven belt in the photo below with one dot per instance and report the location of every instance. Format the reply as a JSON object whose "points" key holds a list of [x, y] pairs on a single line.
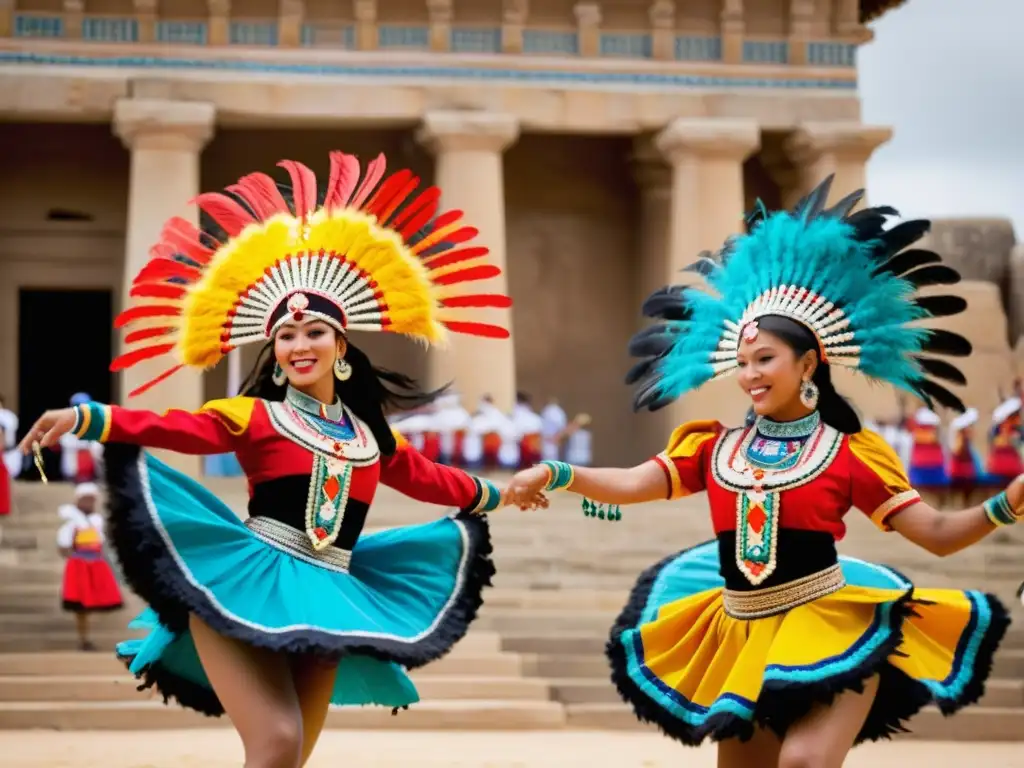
{"points": [[295, 543], [760, 603]]}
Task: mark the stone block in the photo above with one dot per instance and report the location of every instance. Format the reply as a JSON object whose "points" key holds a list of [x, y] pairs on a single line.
{"points": [[979, 249]]}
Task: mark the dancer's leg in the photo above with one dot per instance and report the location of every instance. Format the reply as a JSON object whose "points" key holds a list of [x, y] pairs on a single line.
{"points": [[824, 737], [314, 684]]}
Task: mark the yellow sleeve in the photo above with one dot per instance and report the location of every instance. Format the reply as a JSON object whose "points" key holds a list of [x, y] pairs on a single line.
{"points": [[685, 458], [879, 484], [235, 412]]}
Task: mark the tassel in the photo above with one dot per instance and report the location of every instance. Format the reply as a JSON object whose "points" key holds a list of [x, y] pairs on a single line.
{"points": [[611, 512]]}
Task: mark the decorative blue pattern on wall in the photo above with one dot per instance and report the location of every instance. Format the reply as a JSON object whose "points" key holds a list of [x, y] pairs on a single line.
{"points": [[109, 30], [476, 40], [765, 52], [26, 25], [627, 45], [540, 41], [404, 72], [832, 54], [698, 48], [189, 32], [417, 38], [329, 36], [253, 33]]}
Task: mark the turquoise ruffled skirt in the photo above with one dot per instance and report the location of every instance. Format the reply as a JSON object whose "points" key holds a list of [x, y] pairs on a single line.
{"points": [[409, 596]]}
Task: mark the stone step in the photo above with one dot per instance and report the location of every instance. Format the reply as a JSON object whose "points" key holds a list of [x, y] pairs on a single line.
{"points": [[154, 715], [83, 688], [565, 644], [72, 663], [1009, 663], [587, 667], [975, 723]]}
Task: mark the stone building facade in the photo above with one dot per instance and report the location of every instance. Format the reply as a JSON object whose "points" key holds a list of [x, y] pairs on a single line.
{"points": [[598, 147]]}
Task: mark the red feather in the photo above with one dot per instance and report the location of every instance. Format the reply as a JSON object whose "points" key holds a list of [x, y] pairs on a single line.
{"points": [[446, 218], [157, 290], [303, 187], [161, 269], [413, 217], [261, 192], [147, 333], [128, 359], [227, 212], [460, 235], [153, 382], [343, 179], [161, 251], [493, 300], [184, 238], [374, 173], [447, 258], [477, 329], [481, 272], [388, 191], [132, 314]]}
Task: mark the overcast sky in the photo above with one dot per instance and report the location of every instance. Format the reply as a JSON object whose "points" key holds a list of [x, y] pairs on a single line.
{"points": [[948, 76]]}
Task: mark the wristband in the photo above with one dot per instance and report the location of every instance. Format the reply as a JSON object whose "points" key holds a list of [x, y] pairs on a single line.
{"points": [[560, 475], [998, 510]]}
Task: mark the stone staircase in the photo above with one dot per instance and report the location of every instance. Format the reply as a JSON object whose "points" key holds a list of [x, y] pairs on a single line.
{"points": [[534, 659]]}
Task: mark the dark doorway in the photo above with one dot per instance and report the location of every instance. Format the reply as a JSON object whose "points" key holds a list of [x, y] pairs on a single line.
{"points": [[64, 347]]}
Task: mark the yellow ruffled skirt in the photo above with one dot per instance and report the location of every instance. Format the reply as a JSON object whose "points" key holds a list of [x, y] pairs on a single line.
{"points": [[685, 665]]}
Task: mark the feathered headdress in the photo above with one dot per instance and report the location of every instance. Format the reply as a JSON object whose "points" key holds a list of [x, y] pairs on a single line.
{"points": [[841, 275], [368, 255]]}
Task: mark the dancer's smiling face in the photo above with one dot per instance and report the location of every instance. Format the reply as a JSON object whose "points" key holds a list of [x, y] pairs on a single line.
{"points": [[306, 351], [772, 366]]}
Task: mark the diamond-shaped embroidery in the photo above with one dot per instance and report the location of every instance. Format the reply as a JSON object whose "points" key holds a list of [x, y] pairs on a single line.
{"points": [[756, 518], [331, 488]]}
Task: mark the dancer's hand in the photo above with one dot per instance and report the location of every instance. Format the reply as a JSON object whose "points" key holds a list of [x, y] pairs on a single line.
{"points": [[526, 489], [48, 429]]}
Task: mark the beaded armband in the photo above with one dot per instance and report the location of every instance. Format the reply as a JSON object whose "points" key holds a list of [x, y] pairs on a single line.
{"points": [[999, 511], [92, 422], [560, 475]]}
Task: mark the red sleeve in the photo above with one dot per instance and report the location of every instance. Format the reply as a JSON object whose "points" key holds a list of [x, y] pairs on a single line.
{"points": [[685, 458], [409, 472], [212, 429]]}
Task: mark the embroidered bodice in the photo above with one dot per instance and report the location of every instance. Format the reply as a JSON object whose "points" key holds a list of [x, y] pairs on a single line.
{"points": [[782, 523], [312, 466]]}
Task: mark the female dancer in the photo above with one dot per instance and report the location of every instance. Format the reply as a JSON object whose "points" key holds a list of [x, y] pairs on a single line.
{"points": [[274, 619], [965, 469], [1004, 444], [765, 639], [89, 584]]}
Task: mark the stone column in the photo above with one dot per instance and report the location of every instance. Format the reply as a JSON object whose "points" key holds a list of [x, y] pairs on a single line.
{"points": [[707, 207], [734, 28], [165, 139], [801, 19], [366, 25], [74, 13], [219, 23], [654, 179], [440, 13], [663, 30], [468, 147], [6, 18], [819, 149], [146, 18], [588, 28], [289, 23], [513, 21]]}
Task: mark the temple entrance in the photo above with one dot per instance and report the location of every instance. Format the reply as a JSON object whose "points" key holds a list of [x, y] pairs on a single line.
{"points": [[64, 347]]}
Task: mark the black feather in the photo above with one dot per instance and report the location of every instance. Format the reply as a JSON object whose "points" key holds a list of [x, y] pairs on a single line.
{"points": [[651, 345], [668, 303], [907, 260], [869, 223], [941, 342], [940, 369], [930, 390], [903, 235], [813, 204], [842, 209], [639, 371], [702, 266], [935, 274], [941, 306]]}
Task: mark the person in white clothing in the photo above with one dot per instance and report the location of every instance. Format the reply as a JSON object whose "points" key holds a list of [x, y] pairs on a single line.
{"points": [[452, 423], [555, 421], [578, 449], [9, 440], [497, 432], [529, 428]]}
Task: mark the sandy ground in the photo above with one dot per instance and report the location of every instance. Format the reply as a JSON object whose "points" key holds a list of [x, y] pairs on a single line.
{"points": [[383, 749]]}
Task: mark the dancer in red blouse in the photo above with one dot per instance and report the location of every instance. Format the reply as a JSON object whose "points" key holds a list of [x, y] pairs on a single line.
{"points": [[273, 619]]}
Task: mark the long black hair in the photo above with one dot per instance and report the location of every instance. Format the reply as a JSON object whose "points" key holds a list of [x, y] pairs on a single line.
{"points": [[370, 392], [835, 410]]}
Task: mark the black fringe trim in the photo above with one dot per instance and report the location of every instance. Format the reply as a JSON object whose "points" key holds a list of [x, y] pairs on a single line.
{"points": [[171, 686], [779, 706], [75, 607], [152, 572]]}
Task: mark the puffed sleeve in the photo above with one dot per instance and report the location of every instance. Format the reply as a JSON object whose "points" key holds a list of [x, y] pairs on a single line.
{"points": [[686, 458], [212, 429], [879, 484], [410, 472]]}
